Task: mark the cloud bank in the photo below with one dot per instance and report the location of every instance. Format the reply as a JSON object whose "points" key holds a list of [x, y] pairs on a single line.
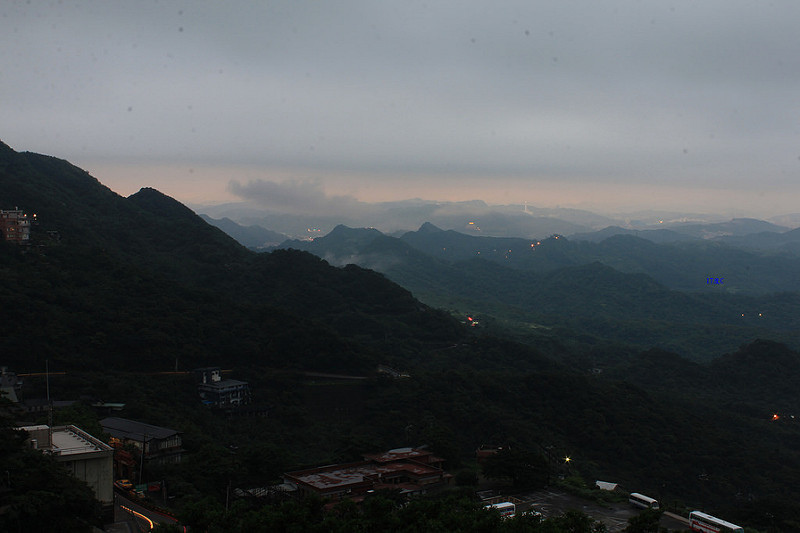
{"points": [[296, 197], [572, 96]]}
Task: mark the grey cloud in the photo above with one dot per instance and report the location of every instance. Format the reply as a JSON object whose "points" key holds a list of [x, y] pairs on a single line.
{"points": [[296, 197], [584, 91]]}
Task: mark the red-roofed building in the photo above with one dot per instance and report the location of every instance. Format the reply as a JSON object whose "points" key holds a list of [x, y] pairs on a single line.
{"points": [[410, 470]]}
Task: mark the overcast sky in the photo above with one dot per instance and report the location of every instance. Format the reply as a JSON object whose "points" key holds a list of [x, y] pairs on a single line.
{"points": [[597, 104]]}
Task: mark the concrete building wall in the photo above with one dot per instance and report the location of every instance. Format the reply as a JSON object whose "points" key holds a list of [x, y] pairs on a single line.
{"points": [[97, 471], [83, 455]]}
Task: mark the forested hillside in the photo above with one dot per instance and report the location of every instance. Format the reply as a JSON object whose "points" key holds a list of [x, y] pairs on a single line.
{"points": [[569, 289], [677, 264], [112, 290], [143, 280]]}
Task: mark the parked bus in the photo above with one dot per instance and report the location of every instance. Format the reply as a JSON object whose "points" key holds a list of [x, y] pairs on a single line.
{"points": [[507, 509], [699, 521], [640, 500]]}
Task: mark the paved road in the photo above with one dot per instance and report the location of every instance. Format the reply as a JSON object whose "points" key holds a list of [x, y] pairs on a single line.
{"points": [[137, 517], [615, 515]]}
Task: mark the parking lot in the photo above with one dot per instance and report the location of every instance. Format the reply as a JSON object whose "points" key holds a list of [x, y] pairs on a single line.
{"points": [[614, 515]]}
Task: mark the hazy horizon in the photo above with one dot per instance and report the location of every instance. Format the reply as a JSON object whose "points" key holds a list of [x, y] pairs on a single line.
{"points": [[610, 107]]}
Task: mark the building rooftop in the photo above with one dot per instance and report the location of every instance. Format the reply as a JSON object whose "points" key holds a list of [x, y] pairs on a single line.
{"points": [[65, 440], [132, 430], [399, 454], [224, 384], [407, 469], [326, 477], [334, 475], [404, 466], [68, 441]]}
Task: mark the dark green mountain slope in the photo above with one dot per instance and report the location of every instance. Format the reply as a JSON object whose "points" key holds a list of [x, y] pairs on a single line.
{"points": [[736, 226], [143, 281], [654, 235], [591, 298], [74, 209], [766, 373], [677, 265], [116, 294], [254, 237], [758, 379], [76, 200], [786, 242]]}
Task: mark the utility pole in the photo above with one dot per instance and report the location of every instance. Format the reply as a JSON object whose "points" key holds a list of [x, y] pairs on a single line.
{"points": [[49, 404], [141, 458], [227, 495]]}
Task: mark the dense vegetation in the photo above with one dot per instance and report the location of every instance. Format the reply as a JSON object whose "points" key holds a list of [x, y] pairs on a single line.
{"points": [[622, 289], [113, 290]]}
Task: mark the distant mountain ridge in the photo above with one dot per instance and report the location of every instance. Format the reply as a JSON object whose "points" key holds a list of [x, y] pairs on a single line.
{"points": [[599, 288], [654, 235], [682, 265], [254, 237], [475, 217]]}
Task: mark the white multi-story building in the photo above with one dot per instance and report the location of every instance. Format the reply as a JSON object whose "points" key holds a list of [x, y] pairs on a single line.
{"points": [[86, 457]]}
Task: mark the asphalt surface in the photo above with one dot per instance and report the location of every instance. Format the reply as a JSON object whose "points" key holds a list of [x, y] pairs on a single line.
{"points": [[129, 516], [614, 515]]}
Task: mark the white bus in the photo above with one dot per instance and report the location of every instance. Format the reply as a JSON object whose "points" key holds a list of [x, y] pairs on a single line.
{"points": [[699, 521], [640, 500], [507, 509]]}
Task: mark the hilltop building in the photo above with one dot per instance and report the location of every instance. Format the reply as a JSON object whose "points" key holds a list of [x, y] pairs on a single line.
{"points": [[86, 457], [219, 392], [15, 226], [409, 470]]}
